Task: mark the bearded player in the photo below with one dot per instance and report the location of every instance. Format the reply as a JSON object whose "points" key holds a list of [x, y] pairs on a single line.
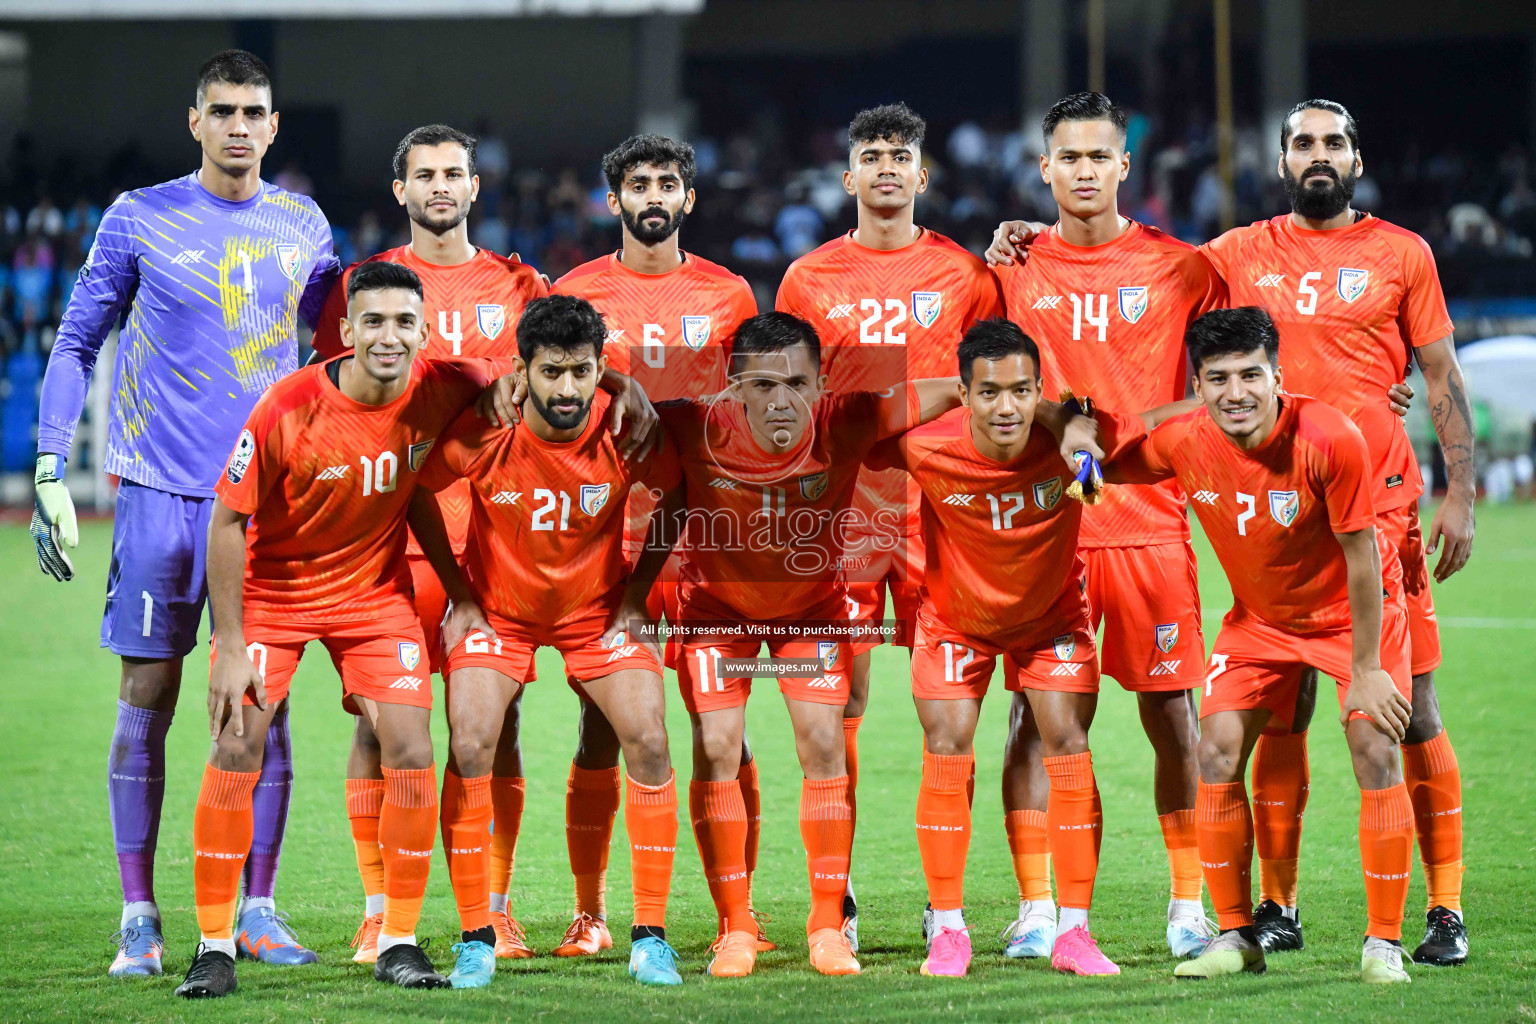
{"points": [[546, 562], [473, 298], [1283, 489], [1353, 298], [670, 315], [213, 272], [770, 468], [890, 300], [307, 542], [1108, 301]]}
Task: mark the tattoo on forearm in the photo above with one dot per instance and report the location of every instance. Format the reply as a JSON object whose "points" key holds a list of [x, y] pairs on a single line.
{"points": [[1452, 417]]}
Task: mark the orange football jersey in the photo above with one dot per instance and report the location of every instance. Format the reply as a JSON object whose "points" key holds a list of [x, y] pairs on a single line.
{"points": [[546, 533], [767, 533], [472, 309], [1350, 305], [1000, 537], [326, 481], [885, 317], [1110, 322], [1271, 512]]}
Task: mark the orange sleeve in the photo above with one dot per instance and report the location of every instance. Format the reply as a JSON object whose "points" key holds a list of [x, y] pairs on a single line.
{"points": [[888, 454], [1203, 281], [790, 296], [661, 470], [1423, 316], [327, 339], [1221, 252], [986, 297], [1345, 468], [456, 450], [255, 464], [1132, 455]]}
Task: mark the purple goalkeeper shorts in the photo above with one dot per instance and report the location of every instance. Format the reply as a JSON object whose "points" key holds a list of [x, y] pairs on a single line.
{"points": [[157, 585]]}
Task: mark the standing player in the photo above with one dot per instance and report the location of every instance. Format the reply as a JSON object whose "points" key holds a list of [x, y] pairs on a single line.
{"points": [[546, 562], [770, 468], [214, 271], [670, 315], [1003, 578], [890, 301], [1345, 342], [473, 299], [1283, 488], [322, 476], [1108, 301]]}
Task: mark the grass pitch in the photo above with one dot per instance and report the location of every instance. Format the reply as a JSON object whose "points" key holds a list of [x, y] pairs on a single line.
{"points": [[59, 895]]}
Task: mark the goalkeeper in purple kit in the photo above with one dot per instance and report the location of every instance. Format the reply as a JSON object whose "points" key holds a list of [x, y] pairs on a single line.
{"points": [[210, 274]]}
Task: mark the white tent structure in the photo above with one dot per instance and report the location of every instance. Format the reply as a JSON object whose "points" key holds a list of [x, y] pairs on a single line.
{"points": [[1502, 372]]}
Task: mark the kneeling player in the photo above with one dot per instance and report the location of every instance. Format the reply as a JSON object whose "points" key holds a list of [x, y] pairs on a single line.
{"points": [[323, 474], [770, 468], [1003, 578], [546, 561], [1281, 484]]}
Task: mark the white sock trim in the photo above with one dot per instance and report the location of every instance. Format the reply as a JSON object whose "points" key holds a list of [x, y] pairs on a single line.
{"points": [[1289, 913], [1032, 909], [225, 946], [499, 902], [139, 908], [387, 942], [1185, 908], [1072, 917], [254, 903], [373, 905], [949, 919]]}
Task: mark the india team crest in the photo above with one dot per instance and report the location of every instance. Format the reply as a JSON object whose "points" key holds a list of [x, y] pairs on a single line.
{"points": [[490, 318], [926, 307], [416, 454], [1352, 283], [288, 260], [1167, 637], [1048, 493], [695, 331], [1065, 646], [410, 655], [826, 651], [813, 485], [1283, 506], [593, 498], [1133, 303]]}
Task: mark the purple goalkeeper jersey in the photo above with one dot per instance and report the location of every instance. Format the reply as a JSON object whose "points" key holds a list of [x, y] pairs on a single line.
{"points": [[214, 291]]}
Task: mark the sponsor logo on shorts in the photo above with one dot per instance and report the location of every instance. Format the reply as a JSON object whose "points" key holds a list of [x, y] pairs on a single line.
{"points": [[813, 485], [1167, 636], [926, 307], [410, 653], [1065, 646], [1166, 668], [506, 497], [1047, 302], [1283, 506], [822, 682], [1395, 480], [840, 310], [1048, 493], [1066, 668], [416, 454], [627, 651], [332, 473], [963, 500], [1206, 497], [406, 683], [240, 460], [593, 498]]}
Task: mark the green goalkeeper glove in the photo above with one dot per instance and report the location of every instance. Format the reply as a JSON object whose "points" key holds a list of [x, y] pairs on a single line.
{"points": [[53, 519]]}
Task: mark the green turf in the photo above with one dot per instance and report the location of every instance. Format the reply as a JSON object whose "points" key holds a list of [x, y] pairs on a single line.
{"points": [[59, 894]]}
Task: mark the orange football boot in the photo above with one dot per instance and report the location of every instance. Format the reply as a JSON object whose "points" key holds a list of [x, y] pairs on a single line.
{"points": [[585, 937]]}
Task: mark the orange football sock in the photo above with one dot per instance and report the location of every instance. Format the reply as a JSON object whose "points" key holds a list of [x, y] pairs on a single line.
{"points": [[826, 827], [1386, 857], [1281, 780], [944, 826], [221, 837], [407, 827], [365, 798], [466, 824], [1434, 785], [1224, 832], [851, 748], [970, 786], [752, 799], [506, 818], [650, 818], [1183, 853], [591, 801], [720, 828], [1073, 823], [1031, 853]]}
